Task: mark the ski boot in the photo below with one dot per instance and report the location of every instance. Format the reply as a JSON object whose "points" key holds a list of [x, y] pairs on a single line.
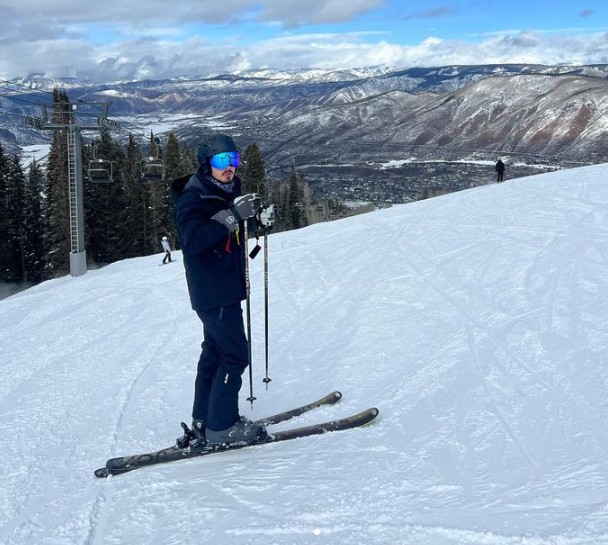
{"points": [[242, 431]]}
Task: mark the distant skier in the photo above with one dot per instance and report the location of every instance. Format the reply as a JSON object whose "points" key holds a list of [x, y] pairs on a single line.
{"points": [[167, 247], [500, 170]]}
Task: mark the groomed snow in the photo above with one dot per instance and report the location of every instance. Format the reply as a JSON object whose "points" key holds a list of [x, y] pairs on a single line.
{"points": [[476, 322]]}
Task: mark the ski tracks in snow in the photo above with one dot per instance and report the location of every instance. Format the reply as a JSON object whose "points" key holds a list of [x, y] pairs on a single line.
{"points": [[477, 329], [148, 364], [534, 370], [78, 357]]}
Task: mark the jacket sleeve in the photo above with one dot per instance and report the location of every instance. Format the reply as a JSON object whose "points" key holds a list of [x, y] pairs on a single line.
{"points": [[197, 231]]}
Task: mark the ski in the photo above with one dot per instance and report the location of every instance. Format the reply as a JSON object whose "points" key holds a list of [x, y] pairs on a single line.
{"points": [[329, 399], [117, 466]]}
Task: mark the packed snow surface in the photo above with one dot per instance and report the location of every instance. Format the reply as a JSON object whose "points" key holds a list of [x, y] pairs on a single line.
{"points": [[476, 322]]}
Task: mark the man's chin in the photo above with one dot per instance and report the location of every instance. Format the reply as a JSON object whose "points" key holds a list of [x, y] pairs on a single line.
{"points": [[225, 177]]}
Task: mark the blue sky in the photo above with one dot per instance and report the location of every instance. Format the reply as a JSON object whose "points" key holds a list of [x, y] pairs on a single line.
{"points": [[157, 39]]}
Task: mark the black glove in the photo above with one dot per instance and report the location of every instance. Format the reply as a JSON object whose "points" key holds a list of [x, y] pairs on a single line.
{"points": [[244, 207], [227, 218]]}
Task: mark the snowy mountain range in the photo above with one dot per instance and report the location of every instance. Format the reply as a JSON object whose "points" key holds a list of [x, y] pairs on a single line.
{"points": [[341, 122], [514, 108], [475, 322]]}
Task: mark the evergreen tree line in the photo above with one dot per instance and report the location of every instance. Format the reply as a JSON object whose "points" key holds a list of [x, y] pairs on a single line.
{"points": [[124, 218]]}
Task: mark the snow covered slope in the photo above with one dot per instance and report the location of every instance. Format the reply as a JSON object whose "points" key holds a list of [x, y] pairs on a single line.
{"points": [[476, 322]]}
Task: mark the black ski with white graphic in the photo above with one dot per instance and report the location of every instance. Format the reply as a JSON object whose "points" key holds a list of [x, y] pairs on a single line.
{"points": [[116, 466], [329, 399]]}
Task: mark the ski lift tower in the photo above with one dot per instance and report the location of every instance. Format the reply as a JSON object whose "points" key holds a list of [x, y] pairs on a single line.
{"points": [[78, 256]]}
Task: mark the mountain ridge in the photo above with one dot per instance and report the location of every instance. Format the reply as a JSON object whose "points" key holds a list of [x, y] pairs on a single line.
{"points": [[533, 113], [258, 99]]}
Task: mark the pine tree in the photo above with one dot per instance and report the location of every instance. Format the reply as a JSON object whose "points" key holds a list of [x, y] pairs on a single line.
{"points": [[174, 168], [135, 200], [253, 173], [284, 204], [297, 204], [104, 205], [33, 222], [15, 183], [293, 200], [173, 160], [5, 258], [57, 213], [189, 161]]}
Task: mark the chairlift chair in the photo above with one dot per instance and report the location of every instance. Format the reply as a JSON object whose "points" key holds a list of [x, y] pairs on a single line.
{"points": [[153, 170], [100, 171]]}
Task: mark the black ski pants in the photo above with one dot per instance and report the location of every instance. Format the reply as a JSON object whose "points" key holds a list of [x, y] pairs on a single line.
{"points": [[223, 360]]}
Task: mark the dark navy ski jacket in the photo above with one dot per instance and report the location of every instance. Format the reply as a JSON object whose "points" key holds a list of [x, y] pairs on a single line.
{"points": [[214, 259]]}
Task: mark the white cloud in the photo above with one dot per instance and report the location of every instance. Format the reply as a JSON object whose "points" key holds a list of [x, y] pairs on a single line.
{"points": [[149, 58], [117, 40]]}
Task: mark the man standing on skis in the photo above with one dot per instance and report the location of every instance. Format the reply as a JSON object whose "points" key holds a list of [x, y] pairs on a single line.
{"points": [[209, 214]]}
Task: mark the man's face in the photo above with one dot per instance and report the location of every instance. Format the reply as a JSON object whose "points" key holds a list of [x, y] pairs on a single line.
{"points": [[223, 175], [224, 165]]}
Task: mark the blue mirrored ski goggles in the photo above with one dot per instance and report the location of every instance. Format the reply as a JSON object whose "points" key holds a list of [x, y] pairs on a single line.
{"points": [[223, 160]]}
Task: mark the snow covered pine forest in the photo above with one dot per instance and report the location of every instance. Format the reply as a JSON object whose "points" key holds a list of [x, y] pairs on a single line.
{"points": [[476, 322]]}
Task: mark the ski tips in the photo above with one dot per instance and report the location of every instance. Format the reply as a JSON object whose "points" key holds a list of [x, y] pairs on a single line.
{"points": [[372, 413], [102, 472]]}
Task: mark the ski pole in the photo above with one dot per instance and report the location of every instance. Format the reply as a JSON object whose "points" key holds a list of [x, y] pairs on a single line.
{"points": [[251, 398], [266, 379]]}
